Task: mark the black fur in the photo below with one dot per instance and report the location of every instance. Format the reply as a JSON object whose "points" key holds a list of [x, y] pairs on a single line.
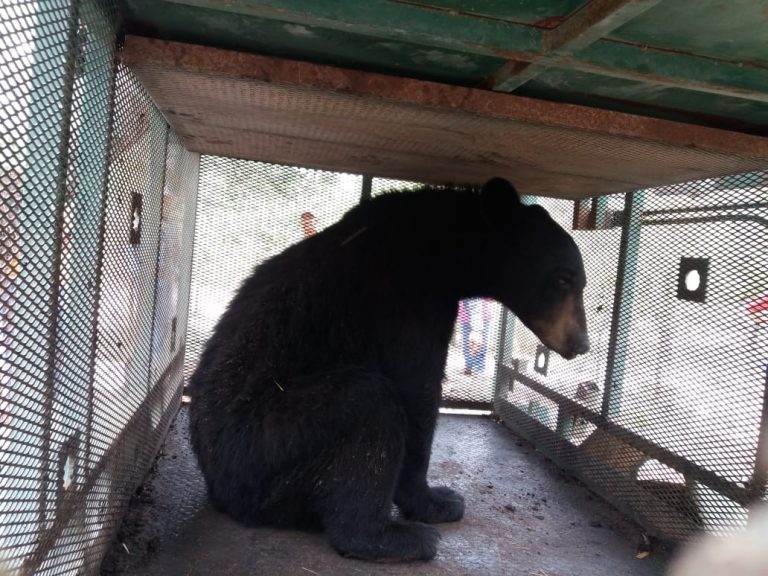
{"points": [[314, 403]]}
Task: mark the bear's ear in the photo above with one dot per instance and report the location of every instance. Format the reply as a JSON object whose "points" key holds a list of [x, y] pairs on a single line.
{"points": [[499, 198]]}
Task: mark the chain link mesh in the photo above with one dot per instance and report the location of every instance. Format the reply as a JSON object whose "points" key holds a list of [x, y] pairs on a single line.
{"points": [[677, 303], [83, 399]]}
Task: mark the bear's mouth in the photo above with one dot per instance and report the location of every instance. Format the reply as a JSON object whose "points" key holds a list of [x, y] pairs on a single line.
{"points": [[570, 351]]}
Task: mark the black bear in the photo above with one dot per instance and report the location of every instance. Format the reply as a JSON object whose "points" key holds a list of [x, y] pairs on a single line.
{"points": [[315, 401]]}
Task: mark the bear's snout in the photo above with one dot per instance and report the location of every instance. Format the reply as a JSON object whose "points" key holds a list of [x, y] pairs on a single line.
{"points": [[579, 344], [565, 330]]}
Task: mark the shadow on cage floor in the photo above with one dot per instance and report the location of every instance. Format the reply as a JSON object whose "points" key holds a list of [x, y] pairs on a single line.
{"points": [[524, 517]]}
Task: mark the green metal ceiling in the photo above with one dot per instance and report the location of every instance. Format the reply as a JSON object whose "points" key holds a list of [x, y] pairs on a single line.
{"points": [[703, 62]]}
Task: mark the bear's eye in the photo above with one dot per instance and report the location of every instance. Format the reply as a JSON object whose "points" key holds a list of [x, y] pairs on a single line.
{"points": [[565, 282]]}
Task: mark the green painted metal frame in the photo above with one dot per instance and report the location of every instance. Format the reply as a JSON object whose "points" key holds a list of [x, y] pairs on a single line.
{"points": [[625, 288], [593, 21], [386, 20], [578, 44], [42, 214]]}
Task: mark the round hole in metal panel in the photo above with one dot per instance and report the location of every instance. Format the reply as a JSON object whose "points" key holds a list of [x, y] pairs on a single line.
{"points": [[692, 280]]}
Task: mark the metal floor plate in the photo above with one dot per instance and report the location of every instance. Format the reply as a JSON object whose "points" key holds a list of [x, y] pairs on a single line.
{"points": [[523, 518]]}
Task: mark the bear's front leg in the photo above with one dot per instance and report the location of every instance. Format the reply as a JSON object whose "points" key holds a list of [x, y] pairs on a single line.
{"points": [[415, 498]]}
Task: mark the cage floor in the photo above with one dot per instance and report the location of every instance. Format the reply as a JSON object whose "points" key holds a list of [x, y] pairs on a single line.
{"points": [[524, 517]]}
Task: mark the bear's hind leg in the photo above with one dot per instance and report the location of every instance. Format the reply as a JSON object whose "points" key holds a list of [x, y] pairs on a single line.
{"points": [[359, 479]]}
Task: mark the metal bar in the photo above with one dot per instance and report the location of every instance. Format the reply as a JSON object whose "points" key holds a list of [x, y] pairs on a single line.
{"points": [[100, 256], [46, 10], [184, 328], [591, 22], [622, 305], [597, 18], [599, 212], [758, 485], [158, 249], [723, 208], [386, 20], [73, 498], [673, 69], [705, 219], [367, 189], [507, 327], [690, 469]]}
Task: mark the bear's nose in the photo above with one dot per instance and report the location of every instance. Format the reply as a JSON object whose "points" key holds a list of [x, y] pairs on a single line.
{"points": [[580, 345]]}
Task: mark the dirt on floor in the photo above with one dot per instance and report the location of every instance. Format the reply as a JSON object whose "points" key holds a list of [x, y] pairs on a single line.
{"points": [[523, 517]]}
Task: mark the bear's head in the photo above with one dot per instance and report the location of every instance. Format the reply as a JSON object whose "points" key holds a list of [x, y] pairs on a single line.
{"points": [[534, 267]]}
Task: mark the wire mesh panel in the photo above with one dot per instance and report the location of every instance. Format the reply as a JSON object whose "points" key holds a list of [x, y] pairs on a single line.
{"points": [[55, 70], [664, 415], [247, 212], [580, 379], [174, 261], [79, 259]]}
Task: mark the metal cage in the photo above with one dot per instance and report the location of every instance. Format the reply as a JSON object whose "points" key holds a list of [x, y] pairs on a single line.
{"points": [[98, 199], [102, 262], [666, 416]]}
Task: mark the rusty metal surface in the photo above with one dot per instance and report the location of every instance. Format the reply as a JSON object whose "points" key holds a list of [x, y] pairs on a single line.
{"points": [[523, 518], [329, 118], [672, 60]]}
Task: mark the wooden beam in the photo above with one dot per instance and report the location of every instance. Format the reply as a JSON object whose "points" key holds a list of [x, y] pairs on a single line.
{"points": [[521, 43], [594, 20]]}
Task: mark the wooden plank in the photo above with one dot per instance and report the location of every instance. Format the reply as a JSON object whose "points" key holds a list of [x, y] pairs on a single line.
{"points": [[283, 111], [596, 19]]}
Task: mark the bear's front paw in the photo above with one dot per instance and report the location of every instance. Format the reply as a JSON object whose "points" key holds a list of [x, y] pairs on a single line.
{"points": [[436, 505]]}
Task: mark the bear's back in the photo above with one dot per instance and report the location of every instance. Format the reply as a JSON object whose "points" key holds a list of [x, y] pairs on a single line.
{"points": [[338, 297]]}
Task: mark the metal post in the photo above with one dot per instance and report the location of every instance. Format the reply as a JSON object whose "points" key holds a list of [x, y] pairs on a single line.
{"points": [[157, 271], [623, 300], [506, 334], [42, 209], [507, 331], [758, 485], [367, 189], [103, 117]]}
